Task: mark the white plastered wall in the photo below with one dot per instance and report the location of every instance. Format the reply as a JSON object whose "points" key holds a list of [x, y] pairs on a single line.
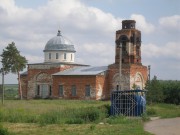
{"points": [[69, 56]]}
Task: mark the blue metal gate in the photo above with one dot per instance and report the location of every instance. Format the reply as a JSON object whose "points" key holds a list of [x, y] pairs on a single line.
{"points": [[128, 102]]}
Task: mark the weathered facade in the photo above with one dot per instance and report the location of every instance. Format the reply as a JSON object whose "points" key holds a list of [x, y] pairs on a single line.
{"points": [[59, 77]]}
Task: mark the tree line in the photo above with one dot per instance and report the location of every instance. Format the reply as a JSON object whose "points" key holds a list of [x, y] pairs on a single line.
{"points": [[163, 91]]}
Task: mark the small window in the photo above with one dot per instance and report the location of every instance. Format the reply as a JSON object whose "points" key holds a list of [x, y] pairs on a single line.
{"points": [[87, 91], [71, 57], [49, 55], [65, 56], [73, 90], [38, 90], [117, 87], [50, 90], [57, 56], [61, 90]]}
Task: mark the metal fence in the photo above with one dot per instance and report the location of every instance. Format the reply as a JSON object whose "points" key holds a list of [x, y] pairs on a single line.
{"points": [[128, 102]]}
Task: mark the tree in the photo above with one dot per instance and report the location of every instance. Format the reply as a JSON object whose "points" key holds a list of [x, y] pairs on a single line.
{"points": [[171, 90], [155, 92], [13, 62]]}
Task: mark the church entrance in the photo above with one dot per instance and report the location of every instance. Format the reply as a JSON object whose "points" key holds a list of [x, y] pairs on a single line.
{"points": [[43, 85], [44, 91]]}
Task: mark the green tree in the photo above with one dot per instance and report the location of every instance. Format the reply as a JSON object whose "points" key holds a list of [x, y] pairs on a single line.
{"points": [[155, 92], [171, 90], [13, 62]]}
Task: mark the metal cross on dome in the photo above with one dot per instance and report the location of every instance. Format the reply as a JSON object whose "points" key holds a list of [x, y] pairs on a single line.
{"points": [[59, 33]]}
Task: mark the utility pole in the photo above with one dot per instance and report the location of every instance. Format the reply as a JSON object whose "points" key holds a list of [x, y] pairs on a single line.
{"points": [[149, 68], [2, 71], [120, 65]]}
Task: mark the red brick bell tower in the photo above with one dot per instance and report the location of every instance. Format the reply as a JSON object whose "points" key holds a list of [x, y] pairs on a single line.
{"points": [[130, 39], [133, 73]]}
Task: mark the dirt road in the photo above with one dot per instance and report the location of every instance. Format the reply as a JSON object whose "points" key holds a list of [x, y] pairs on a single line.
{"points": [[163, 126]]}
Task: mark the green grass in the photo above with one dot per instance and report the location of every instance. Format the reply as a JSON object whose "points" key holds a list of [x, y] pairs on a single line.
{"points": [[164, 110], [77, 129], [75, 117]]}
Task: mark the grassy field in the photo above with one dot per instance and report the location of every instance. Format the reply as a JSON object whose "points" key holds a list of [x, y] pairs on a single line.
{"points": [[44, 117], [11, 91], [74, 117], [71, 117]]}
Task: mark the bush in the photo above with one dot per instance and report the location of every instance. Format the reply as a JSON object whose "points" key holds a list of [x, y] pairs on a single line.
{"points": [[145, 117], [89, 114], [151, 111], [3, 131]]}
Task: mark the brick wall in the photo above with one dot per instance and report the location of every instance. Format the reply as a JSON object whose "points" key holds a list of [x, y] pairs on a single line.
{"points": [[24, 86], [29, 82], [129, 73], [97, 84]]}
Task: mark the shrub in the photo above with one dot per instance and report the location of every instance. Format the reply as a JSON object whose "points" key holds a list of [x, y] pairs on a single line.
{"points": [[1, 116], [89, 114], [145, 117], [151, 111], [49, 118], [3, 131]]}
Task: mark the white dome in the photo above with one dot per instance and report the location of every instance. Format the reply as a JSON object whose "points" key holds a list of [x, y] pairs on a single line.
{"points": [[58, 43]]}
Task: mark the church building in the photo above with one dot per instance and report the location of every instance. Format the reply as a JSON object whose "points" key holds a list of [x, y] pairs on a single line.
{"points": [[59, 77]]}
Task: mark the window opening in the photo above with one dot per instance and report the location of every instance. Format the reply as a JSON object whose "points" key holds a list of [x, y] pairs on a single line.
{"points": [[49, 55], [65, 56], [57, 56], [38, 90], [61, 90], [87, 91], [50, 90], [73, 90]]}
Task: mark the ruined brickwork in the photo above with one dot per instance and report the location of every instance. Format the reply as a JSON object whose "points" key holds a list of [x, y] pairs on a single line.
{"points": [[24, 84], [134, 74]]}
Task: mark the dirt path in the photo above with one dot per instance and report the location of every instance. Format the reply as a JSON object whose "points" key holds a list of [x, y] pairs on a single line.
{"points": [[163, 126]]}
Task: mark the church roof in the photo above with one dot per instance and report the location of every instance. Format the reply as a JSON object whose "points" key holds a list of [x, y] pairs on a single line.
{"points": [[59, 43], [58, 63], [83, 71]]}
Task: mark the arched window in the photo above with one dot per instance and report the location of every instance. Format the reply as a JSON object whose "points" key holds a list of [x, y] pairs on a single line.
{"points": [[124, 40]]}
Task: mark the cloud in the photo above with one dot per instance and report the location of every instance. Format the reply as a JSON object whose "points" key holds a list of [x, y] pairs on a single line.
{"points": [[142, 24], [30, 28], [170, 50], [170, 23], [33, 59], [97, 53]]}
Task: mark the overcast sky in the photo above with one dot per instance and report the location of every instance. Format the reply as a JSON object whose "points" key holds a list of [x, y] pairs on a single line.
{"points": [[91, 25]]}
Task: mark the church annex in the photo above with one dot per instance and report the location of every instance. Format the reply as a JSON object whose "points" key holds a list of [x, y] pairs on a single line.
{"points": [[61, 78]]}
